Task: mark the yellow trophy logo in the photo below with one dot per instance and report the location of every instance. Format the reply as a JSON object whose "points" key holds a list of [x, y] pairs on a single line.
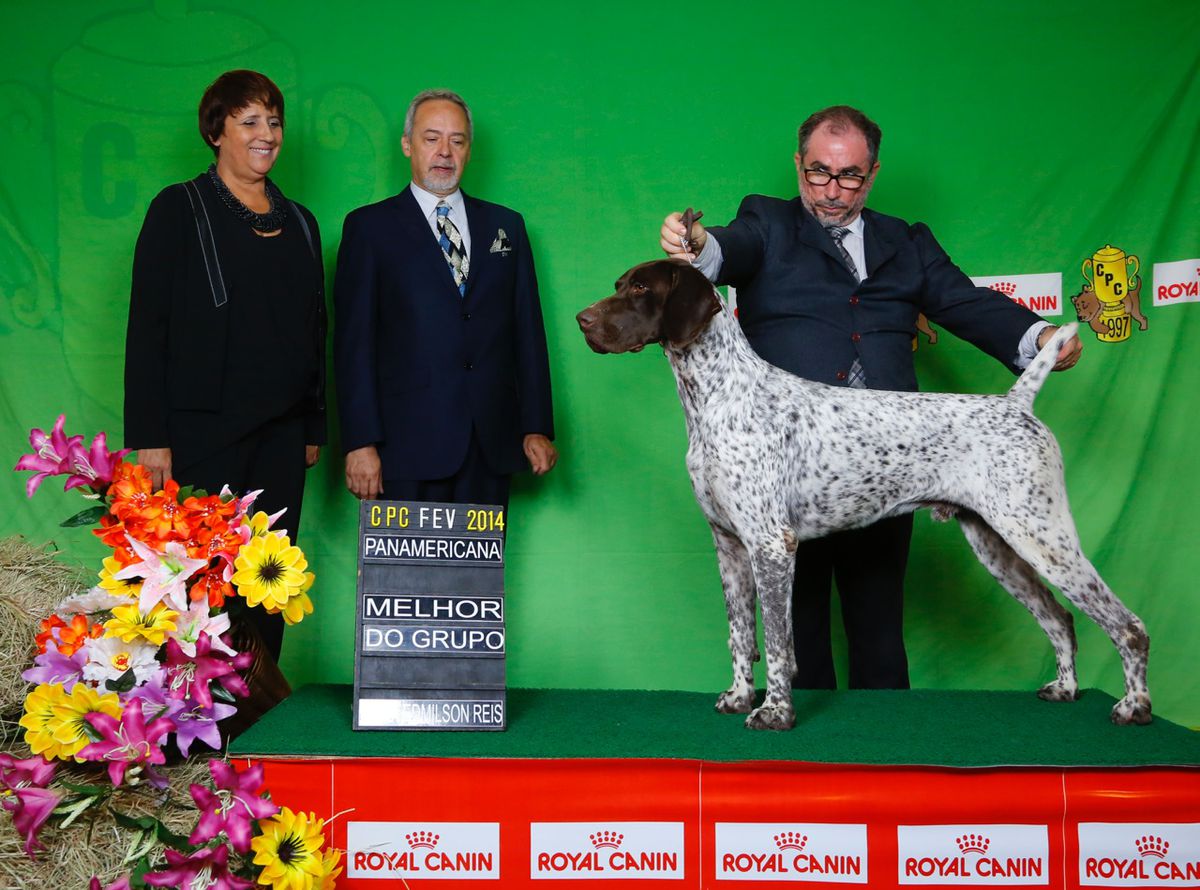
{"points": [[1110, 300]]}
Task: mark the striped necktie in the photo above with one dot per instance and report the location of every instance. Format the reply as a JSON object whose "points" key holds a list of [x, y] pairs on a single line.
{"points": [[856, 378], [838, 233], [452, 248]]}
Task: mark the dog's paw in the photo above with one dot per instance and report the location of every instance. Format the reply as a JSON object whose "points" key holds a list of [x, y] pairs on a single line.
{"points": [[776, 717], [733, 702], [1058, 691], [1132, 709]]}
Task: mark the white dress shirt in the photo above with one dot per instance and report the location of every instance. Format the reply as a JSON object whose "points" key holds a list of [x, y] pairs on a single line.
{"points": [[428, 203]]}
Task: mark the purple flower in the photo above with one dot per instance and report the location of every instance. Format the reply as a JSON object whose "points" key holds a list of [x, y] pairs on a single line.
{"points": [[200, 724], [204, 869], [233, 807], [52, 666], [50, 457], [57, 454], [128, 742], [30, 808], [192, 674], [119, 884], [28, 800], [97, 464], [156, 700]]}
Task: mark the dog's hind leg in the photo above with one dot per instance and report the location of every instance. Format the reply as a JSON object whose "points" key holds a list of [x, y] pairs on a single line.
{"points": [[1019, 579], [1051, 546], [737, 580], [774, 564]]}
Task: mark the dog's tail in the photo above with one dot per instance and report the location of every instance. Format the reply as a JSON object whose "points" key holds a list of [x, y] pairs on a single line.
{"points": [[1030, 382]]}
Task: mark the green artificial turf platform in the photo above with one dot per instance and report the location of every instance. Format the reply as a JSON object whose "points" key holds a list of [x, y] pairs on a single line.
{"points": [[916, 727]]}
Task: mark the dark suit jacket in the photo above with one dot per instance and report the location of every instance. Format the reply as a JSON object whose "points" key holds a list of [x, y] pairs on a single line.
{"points": [[804, 311], [186, 358], [418, 365]]}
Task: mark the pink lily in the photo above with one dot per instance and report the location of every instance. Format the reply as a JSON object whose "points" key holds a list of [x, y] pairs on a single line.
{"points": [[206, 869], [29, 801], [36, 771], [121, 883], [94, 465], [233, 807], [50, 455], [191, 675], [128, 742], [196, 621], [165, 574]]}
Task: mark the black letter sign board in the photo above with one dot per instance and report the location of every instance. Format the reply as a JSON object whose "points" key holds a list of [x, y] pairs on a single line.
{"points": [[429, 650]]}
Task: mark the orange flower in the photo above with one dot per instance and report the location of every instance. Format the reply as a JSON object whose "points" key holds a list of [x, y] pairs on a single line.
{"points": [[211, 584], [164, 517], [210, 510], [47, 632], [70, 636], [131, 489]]}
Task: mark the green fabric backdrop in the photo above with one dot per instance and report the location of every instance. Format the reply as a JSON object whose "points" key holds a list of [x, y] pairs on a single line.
{"points": [[1027, 134]]}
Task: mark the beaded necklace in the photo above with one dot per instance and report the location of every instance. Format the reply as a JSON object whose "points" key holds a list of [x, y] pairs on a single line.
{"points": [[271, 221]]}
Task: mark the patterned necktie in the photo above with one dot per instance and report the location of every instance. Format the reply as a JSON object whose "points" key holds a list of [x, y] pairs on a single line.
{"points": [[838, 233], [856, 378], [452, 248]]}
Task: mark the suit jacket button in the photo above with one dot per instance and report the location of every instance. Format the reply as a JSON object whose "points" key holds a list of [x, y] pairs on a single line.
{"points": [[854, 300], [467, 365], [466, 316], [855, 337], [841, 375]]}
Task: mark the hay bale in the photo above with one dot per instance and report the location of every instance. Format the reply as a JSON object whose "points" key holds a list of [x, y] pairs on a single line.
{"points": [[95, 844], [32, 583]]}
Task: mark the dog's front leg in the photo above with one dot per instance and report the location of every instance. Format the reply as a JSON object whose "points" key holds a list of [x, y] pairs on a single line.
{"points": [[774, 564], [737, 580]]}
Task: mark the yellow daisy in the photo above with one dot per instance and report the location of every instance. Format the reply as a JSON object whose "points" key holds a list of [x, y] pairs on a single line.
{"points": [[259, 525], [299, 605], [270, 571], [129, 624], [67, 722], [331, 868], [39, 712], [130, 588], [289, 849]]}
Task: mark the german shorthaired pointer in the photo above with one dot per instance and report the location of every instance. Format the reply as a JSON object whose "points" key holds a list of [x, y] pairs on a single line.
{"points": [[775, 459]]}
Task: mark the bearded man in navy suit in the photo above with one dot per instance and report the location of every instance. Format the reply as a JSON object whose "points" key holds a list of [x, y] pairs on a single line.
{"points": [[443, 378], [831, 291]]}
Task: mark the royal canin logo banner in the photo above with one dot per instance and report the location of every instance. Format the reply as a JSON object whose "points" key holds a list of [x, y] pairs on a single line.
{"points": [[793, 851], [1041, 292], [1143, 854], [973, 854], [1177, 282], [428, 850], [606, 850]]}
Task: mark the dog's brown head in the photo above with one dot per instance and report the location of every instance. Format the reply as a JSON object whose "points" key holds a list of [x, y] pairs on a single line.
{"points": [[664, 301]]}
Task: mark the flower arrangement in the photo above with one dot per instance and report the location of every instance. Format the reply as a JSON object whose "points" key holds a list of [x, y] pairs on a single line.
{"points": [[144, 660]]}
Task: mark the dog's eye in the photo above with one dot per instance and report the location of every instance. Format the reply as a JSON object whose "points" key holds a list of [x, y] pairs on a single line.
{"points": [[638, 287]]}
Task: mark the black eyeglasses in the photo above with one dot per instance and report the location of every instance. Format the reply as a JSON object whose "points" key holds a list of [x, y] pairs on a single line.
{"points": [[849, 181]]}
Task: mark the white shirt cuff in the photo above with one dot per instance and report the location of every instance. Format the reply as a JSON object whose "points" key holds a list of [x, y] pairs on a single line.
{"points": [[1027, 350], [710, 259]]}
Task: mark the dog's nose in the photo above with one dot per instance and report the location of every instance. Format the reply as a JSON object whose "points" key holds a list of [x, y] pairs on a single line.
{"points": [[587, 318]]}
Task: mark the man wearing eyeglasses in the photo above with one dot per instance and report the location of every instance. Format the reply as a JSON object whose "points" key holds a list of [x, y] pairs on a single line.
{"points": [[831, 291]]}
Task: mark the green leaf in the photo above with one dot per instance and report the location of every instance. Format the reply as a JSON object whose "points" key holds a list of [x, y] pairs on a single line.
{"points": [[90, 516], [74, 812], [185, 493], [123, 683], [219, 691], [86, 790]]}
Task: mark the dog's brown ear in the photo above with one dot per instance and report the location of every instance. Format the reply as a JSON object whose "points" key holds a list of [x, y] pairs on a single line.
{"points": [[690, 303]]}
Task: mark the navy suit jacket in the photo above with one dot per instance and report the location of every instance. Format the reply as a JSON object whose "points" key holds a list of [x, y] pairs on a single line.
{"points": [[804, 311], [417, 365]]}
